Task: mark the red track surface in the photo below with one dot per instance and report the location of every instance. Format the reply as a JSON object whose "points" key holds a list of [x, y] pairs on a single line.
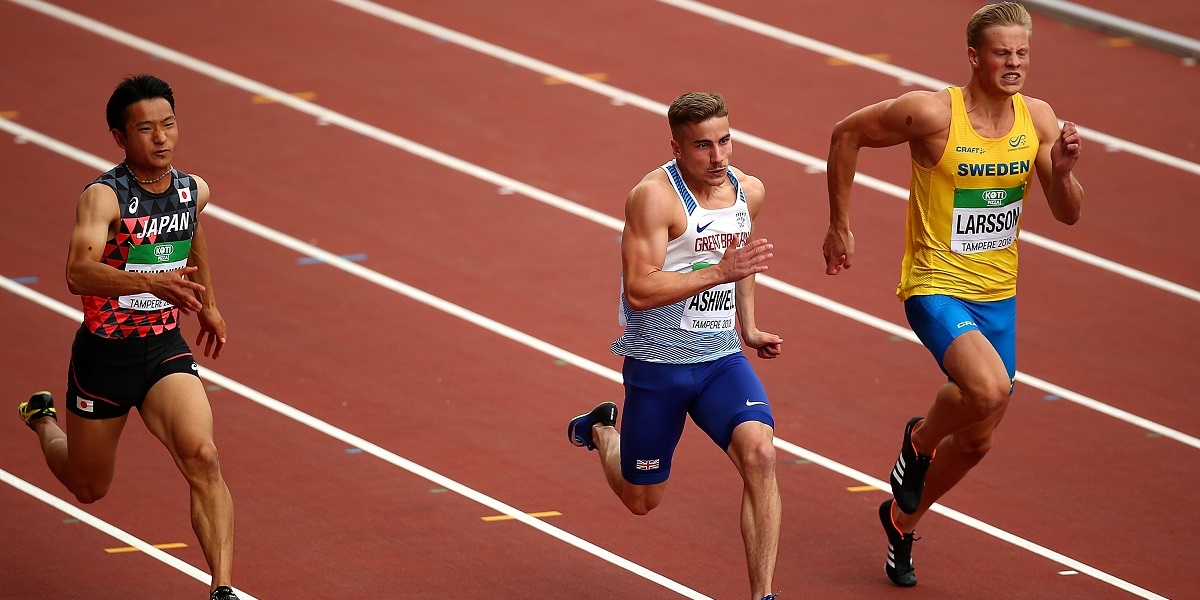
{"points": [[317, 521]]}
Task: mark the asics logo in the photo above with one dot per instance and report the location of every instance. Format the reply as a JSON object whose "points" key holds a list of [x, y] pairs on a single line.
{"points": [[700, 228], [749, 403]]}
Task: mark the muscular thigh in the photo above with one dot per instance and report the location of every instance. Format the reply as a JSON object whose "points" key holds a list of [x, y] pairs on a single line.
{"points": [[657, 399], [981, 334], [730, 394], [177, 412]]}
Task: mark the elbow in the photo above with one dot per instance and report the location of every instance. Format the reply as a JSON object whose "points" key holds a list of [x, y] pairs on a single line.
{"points": [[637, 303]]}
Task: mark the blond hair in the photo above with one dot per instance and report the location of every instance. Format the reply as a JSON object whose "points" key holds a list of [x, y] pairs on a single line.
{"points": [[997, 15], [695, 107]]}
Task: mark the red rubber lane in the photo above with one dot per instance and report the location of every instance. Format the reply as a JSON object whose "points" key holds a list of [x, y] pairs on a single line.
{"points": [[826, 519]]}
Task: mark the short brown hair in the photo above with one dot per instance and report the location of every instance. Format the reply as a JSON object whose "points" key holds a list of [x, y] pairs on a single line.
{"points": [[997, 15], [695, 107]]}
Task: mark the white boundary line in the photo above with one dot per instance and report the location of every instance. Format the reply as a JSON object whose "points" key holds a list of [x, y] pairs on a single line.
{"points": [[105, 527], [813, 164], [356, 442], [512, 185], [536, 344], [905, 76]]}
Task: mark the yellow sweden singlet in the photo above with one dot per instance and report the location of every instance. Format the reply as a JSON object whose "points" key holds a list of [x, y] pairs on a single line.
{"points": [[964, 214]]}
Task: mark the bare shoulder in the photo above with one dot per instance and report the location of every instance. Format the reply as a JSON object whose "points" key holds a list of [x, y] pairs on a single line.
{"points": [[921, 112], [654, 188], [98, 200], [1043, 117], [202, 192]]}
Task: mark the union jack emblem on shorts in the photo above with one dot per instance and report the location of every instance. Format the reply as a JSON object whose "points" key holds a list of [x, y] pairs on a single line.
{"points": [[646, 465]]}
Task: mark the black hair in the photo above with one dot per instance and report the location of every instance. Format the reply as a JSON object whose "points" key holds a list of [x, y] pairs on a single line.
{"points": [[131, 90]]}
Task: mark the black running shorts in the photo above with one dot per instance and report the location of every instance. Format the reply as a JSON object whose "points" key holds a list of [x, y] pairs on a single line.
{"points": [[108, 377]]}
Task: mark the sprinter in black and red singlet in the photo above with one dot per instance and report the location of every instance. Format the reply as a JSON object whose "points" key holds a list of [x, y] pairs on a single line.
{"points": [[137, 259]]}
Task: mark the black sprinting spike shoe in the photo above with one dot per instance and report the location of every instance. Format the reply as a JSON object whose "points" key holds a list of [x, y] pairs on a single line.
{"points": [[899, 565], [579, 430], [908, 475], [39, 405], [223, 592]]}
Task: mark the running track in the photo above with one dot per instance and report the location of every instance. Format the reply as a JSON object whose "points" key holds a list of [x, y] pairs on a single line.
{"points": [[482, 403]]}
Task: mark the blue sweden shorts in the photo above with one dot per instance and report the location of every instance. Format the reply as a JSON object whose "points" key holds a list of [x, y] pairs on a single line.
{"points": [[938, 320], [719, 395], [108, 377]]}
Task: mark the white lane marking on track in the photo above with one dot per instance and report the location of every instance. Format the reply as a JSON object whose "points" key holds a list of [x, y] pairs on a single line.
{"points": [[366, 446], [531, 192], [378, 451], [905, 75], [532, 342], [812, 163], [103, 526]]}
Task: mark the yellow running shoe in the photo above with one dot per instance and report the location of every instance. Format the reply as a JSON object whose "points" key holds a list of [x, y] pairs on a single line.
{"points": [[39, 405]]}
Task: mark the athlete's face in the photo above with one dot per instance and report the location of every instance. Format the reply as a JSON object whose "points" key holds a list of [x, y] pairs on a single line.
{"points": [[1002, 59], [702, 150], [149, 136]]}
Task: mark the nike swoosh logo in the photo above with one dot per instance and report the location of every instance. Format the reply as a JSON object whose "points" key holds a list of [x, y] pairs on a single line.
{"points": [[749, 403], [700, 228]]}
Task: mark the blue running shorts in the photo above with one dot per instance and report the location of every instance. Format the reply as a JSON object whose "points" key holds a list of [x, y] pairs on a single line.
{"points": [[938, 320], [719, 395]]}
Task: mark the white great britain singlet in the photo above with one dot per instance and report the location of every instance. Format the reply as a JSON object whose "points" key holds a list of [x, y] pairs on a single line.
{"points": [[700, 328]]}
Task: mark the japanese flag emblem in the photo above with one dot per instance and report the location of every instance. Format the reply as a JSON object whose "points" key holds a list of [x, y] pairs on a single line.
{"points": [[185, 195], [84, 404]]}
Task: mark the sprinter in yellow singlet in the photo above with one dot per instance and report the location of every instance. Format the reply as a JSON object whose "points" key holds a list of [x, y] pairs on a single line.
{"points": [[973, 152]]}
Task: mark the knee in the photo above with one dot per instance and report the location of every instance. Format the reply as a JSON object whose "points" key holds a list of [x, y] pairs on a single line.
{"points": [[88, 493], [757, 461], [989, 399], [200, 464], [638, 500]]}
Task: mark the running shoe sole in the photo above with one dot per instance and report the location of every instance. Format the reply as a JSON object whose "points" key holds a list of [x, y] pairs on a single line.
{"points": [[579, 430]]}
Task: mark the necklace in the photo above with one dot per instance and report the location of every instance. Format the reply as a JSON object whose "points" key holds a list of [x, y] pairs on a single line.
{"points": [[146, 181]]}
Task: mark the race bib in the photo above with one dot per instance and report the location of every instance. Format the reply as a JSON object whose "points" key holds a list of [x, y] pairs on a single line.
{"points": [[713, 309], [154, 258], [985, 219]]}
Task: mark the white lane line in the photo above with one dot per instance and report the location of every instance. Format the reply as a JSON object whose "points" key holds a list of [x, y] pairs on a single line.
{"points": [[103, 526], [812, 163], [24, 133], [531, 342], [371, 448], [904, 75], [379, 452], [511, 185]]}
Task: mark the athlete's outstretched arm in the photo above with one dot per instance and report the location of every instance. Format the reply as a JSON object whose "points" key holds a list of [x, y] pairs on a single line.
{"points": [[95, 216]]}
